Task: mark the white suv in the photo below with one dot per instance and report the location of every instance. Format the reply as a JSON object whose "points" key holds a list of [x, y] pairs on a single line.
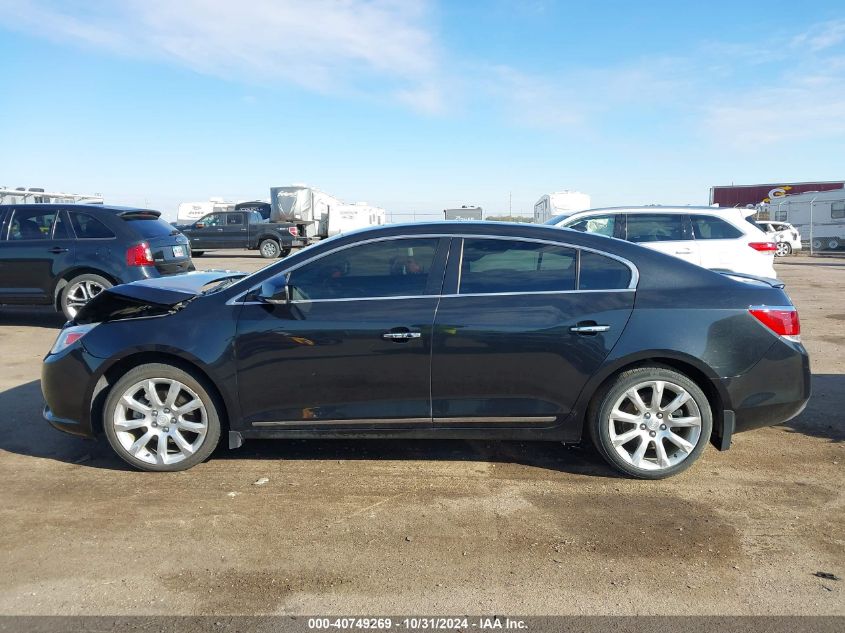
{"points": [[713, 237], [783, 234]]}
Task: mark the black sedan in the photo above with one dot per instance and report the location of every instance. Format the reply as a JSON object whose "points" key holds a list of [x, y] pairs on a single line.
{"points": [[441, 330]]}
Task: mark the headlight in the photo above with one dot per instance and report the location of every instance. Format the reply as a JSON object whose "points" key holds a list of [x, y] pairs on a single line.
{"points": [[69, 336]]}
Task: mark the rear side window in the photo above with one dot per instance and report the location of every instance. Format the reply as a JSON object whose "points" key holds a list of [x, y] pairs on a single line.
{"points": [[709, 227], [665, 227], [87, 227], [234, 219], [390, 268], [598, 272], [600, 225], [491, 266], [150, 226], [31, 224]]}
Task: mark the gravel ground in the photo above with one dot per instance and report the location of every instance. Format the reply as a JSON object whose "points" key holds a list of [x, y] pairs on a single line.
{"points": [[445, 527]]}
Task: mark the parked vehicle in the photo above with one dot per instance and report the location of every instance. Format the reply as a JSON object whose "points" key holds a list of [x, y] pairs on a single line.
{"points": [[320, 215], [63, 255], [786, 236], [818, 215], [559, 203], [715, 238], [241, 229], [435, 330]]}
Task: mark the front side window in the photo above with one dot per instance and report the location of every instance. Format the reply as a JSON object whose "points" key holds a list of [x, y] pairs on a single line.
{"points": [[491, 266], [599, 224], [234, 219], [653, 227], [390, 268], [837, 210], [31, 224], [87, 227], [709, 227], [213, 219]]}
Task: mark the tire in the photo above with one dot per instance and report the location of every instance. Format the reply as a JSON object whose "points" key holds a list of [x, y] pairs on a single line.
{"points": [[188, 438], [197, 253], [79, 291], [285, 251], [614, 408], [833, 244], [269, 248], [784, 249], [817, 244]]}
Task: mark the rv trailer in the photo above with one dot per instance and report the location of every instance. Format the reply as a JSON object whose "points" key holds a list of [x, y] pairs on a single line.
{"points": [[190, 212], [560, 203], [318, 214], [818, 215]]}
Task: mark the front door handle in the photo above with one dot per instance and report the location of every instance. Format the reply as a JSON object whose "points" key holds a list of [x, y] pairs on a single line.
{"points": [[589, 329], [683, 251], [400, 335], [57, 249]]}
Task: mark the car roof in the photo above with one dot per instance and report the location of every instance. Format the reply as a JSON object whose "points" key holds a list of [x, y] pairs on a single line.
{"points": [[96, 207], [663, 209]]}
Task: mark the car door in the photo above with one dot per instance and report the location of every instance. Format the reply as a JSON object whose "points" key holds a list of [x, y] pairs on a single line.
{"points": [[668, 233], [35, 249], [518, 332], [353, 345], [235, 234], [206, 233], [718, 242]]}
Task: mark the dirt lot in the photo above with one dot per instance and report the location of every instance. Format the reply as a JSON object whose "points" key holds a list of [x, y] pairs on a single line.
{"points": [[443, 527]]}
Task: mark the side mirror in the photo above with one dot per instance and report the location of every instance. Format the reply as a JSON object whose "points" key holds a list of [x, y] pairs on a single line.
{"points": [[274, 292], [199, 225]]}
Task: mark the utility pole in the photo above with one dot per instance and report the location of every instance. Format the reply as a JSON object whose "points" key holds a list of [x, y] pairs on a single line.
{"points": [[510, 203]]}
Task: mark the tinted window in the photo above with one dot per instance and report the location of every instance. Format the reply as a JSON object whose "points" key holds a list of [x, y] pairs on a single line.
{"points": [[837, 210], [87, 227], [61, 231], [31, 224], [708, 227], [234, 218], [511, 266], [665, 227], [599, 224], [390, 268], [150, 226], [554, 221], [598, 272]]}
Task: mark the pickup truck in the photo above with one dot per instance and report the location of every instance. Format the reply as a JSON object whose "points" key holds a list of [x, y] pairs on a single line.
{"points": [[241, 229]]}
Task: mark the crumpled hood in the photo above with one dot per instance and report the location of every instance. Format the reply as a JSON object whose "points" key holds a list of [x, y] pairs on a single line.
{"points": [[150, 297]]}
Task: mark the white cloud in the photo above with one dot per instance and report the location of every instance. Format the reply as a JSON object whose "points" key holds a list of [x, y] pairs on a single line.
{"points": [[821, 36], [330, 46]]}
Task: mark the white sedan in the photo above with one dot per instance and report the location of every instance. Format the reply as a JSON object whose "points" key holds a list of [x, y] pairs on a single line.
{"points": [[783, 234]]}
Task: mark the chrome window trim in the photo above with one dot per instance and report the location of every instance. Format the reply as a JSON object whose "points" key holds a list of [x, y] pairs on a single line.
{"points": [[632, 285]]}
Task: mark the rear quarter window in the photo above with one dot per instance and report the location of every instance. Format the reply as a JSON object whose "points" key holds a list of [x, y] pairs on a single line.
{"points": [[149, 226], [87, 227], [709, 227], [598, 272]]}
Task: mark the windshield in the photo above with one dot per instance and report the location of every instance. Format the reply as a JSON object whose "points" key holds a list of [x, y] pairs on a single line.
{"points": [[557, 219]]}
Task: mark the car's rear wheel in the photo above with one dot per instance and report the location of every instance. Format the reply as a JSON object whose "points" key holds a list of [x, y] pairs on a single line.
{"points": [[784, 249], [79, 291], [159, 417], [651, 422], [197, 253], [269, 249], [285, 251]]}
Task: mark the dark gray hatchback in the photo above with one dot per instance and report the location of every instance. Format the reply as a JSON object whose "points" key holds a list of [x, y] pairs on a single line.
{"points": [[63, 255]]}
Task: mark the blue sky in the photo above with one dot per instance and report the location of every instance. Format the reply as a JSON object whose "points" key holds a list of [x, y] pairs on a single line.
{"points": [[418, 105]]}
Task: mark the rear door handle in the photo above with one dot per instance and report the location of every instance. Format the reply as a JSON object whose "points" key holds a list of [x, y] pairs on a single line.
{"points": [[683, 251], [589, 329], [400, 335], [57, 249]]}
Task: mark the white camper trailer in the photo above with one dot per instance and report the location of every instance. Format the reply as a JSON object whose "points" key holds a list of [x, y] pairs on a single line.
{"points": [[190, 212], [318, 214], [818, 215], [560, 203]]}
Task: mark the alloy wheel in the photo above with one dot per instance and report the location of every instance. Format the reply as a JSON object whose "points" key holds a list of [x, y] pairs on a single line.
{"points": [[80, 293], [160, 421], [783, 249], [655, 425], [270, 249]]}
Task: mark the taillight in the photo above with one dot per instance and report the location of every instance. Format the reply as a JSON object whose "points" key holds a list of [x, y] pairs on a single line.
{"points": [[782, 320], [763, 247], [69, 336], [293, 230], [139, 255]]}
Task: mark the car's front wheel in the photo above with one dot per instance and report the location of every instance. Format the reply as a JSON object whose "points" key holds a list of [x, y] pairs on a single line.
{"points": [[79, 291], [784, 249], [160, 417], [650, 422], [269, 249]]}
